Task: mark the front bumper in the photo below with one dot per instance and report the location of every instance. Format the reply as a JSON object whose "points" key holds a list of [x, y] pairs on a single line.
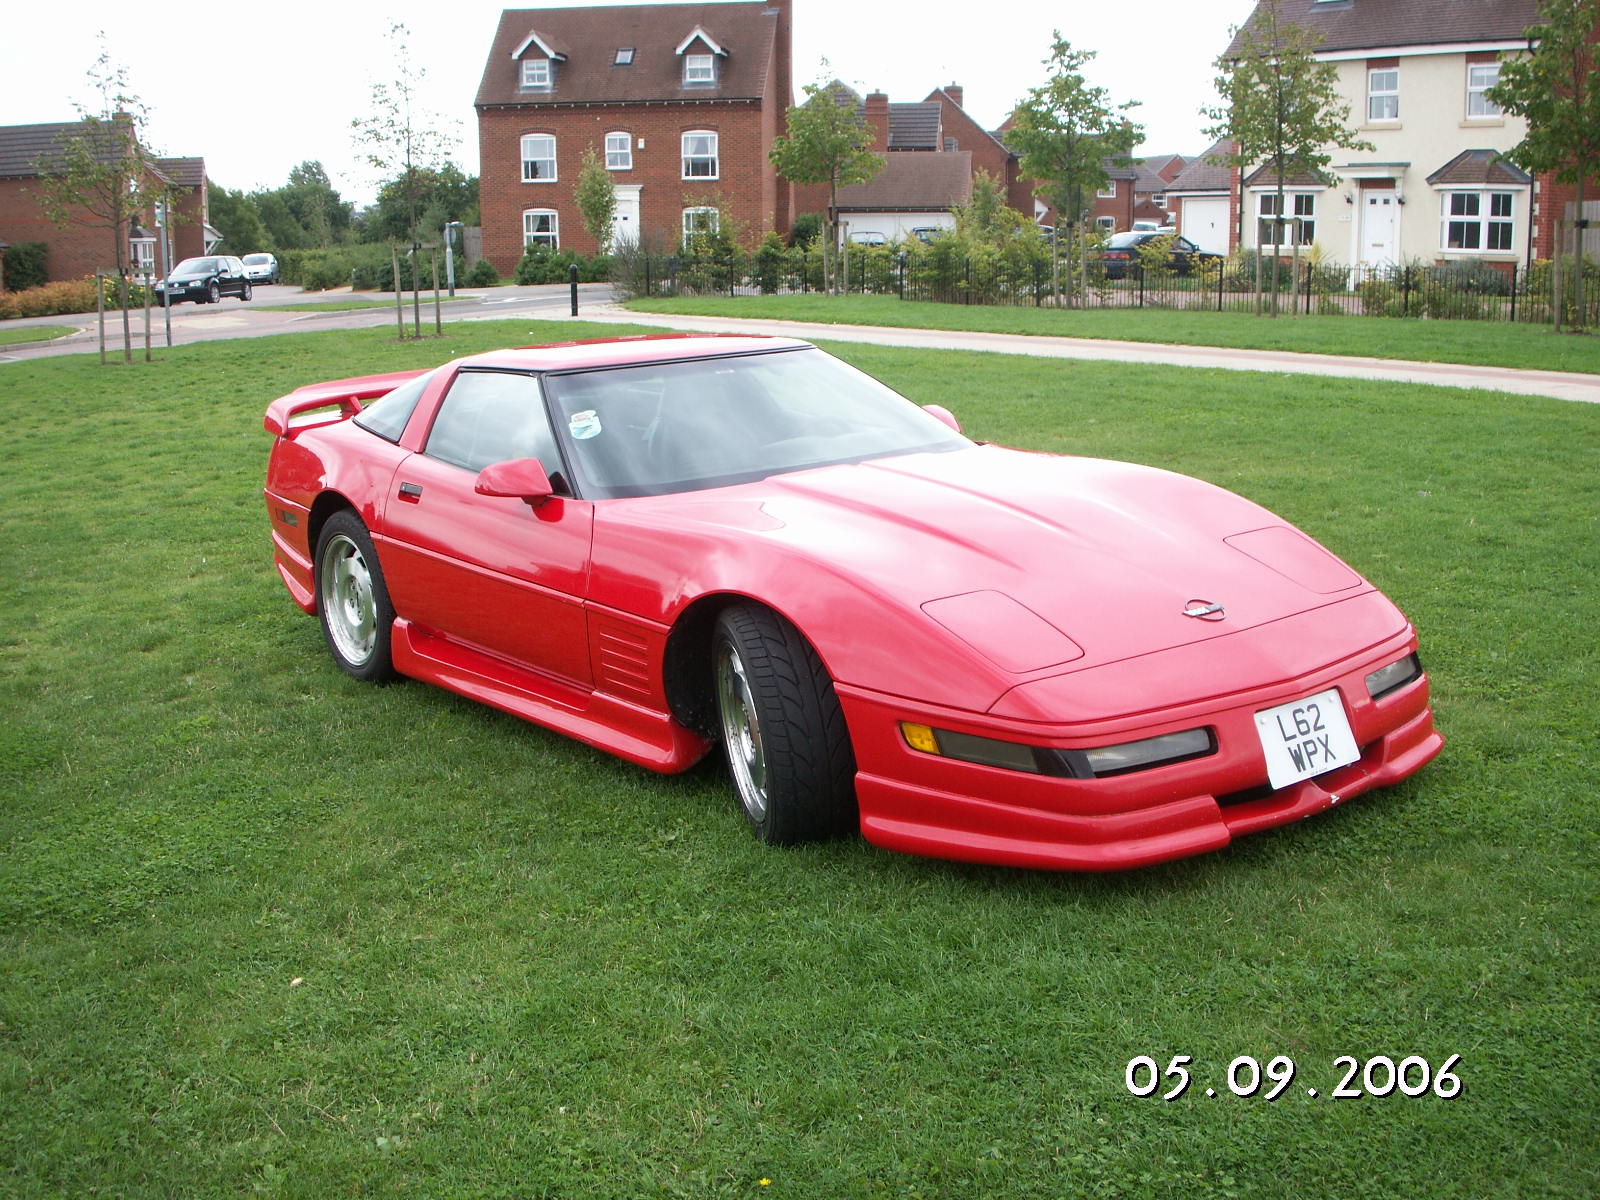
{"points": [[943, 808]]}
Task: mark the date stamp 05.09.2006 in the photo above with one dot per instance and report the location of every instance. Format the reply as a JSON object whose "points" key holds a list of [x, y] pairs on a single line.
{"points": [[1377, 1076]]}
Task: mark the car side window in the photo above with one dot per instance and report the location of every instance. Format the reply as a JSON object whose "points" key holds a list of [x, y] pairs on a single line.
{"points": [[494, 416]]}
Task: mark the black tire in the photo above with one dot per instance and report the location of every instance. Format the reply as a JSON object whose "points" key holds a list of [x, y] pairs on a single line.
{"points": [[245, 292], [353, 601], [213, 292], [783, 731]]}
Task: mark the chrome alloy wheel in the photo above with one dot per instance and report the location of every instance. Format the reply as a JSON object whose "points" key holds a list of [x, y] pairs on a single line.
{"points": [[741, 732], [349, 607]]}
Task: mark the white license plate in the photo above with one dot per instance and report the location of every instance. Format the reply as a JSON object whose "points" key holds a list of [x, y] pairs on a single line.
{"points": [[1305, 738]]}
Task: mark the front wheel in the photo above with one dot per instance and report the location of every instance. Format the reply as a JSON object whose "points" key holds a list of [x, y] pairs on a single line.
{"points": [[353, 601], [782, 729], [213, 293]]}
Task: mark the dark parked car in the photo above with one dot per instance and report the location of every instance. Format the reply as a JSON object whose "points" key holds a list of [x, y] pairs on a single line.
{"points": [[204, 280], [1123, 250], [261, 268]]}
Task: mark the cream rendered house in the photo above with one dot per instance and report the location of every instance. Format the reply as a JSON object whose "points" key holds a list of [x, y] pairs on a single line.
{"points": [[1434, 189]]}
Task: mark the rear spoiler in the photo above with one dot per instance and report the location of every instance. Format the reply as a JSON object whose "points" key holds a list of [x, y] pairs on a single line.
{"points": [[349, 396]]}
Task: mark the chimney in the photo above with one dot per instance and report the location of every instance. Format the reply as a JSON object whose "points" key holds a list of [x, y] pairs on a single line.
{"points": [[878, 120], [957, 93]]}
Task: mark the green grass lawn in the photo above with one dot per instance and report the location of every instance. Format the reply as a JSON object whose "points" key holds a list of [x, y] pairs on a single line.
{"points": [[20, 335], [1482, 343], [270, 931]]}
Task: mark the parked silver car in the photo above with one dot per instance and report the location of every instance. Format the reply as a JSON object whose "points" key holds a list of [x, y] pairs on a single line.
{"points": [[261, 268]]}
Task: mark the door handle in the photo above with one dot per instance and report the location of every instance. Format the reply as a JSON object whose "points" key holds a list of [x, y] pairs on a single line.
{"points": [[411, 492]]}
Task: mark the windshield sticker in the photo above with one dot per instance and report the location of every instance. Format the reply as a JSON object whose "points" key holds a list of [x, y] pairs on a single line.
{"points": [[585, 425]]}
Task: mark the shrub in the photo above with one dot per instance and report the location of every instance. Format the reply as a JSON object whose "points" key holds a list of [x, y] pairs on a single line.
{"points": [[807, 229], [769, 264], [482, 274], [74, 296], [541, 264], [26, 267]]}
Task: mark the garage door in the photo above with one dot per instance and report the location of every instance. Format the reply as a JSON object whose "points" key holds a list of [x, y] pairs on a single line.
{"points": [[1205, 222]]}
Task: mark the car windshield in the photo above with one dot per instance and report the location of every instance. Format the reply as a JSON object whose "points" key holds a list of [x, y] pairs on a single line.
{"points": [[658, 428], [257, 260], [1125, 241], [195, 266]]}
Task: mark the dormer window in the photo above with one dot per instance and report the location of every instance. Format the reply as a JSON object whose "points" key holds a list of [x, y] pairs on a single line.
{"points": [[537, 71], [699, 52], [536, 74], [699, 69]]}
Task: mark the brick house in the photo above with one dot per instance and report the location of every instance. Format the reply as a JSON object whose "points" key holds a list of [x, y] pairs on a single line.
{"points": [[83, 247], [1435, 187], [932, 151], [680, 101]]}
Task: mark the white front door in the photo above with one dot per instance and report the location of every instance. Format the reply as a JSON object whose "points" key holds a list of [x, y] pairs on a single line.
{"points": [[625, 220], [1380, 224]]}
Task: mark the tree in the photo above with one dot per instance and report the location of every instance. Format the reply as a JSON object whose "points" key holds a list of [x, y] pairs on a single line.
{"points": [[597, 200], [400, 139], [1067, 134], [234, 215], [986, 217], [102, 177], [441, 195], [1556, 87], [1281, 107], [826, 143]]}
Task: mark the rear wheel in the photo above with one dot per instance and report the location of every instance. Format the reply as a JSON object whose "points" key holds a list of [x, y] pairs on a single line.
{"points": [[352, 600], [245, 292], [782, 729]]}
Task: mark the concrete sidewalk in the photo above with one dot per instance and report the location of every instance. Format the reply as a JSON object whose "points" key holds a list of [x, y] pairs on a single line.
{"points": [[1560, 385]]}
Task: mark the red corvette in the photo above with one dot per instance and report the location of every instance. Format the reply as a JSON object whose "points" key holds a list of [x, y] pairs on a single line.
{"points": [[657, 544]]}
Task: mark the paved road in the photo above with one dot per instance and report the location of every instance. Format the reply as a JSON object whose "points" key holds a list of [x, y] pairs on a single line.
{"points": [[232, 319], [271, 312]]}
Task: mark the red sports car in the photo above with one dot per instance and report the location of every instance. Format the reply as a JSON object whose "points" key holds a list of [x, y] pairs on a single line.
{"points": [[656, 544]]}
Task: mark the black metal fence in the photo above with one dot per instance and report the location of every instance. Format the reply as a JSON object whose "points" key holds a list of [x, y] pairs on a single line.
{"points": [[1461, 291]]}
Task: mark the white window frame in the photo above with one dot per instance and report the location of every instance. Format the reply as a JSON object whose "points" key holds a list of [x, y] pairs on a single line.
{"points": [[692, 227], [1389, 95], [1479, 106], [699, 70], [1302, 219], [1106, 224], [1482, 215], [686, 159], [532, 160], [537, 75], [1109, 192], [531, 233], [619, 150]]}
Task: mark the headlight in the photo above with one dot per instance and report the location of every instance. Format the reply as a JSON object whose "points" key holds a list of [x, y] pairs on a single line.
{"points": [[1395, 675], [1095, 763]]}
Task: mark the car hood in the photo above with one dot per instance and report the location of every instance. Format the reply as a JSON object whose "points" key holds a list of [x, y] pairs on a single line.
{"points": [[1035, 563]]}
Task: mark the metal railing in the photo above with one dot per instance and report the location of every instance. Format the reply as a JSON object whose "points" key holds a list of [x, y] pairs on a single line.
{"points": [[1456, 290]]}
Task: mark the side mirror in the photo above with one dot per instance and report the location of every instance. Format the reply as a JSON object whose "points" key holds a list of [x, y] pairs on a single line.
{"points": [[944, 415], [523, 478]]}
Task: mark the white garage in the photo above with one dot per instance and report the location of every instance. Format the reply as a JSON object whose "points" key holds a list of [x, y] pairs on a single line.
{"points": [[1204, 221]]}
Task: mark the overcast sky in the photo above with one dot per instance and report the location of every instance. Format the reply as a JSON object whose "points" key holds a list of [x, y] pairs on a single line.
{"points": [[256, 89]]}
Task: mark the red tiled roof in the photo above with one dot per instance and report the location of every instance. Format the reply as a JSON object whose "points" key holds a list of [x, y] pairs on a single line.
{"points": [[1375, 24], [913, 182], [1479, 168], [591, 37]]}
